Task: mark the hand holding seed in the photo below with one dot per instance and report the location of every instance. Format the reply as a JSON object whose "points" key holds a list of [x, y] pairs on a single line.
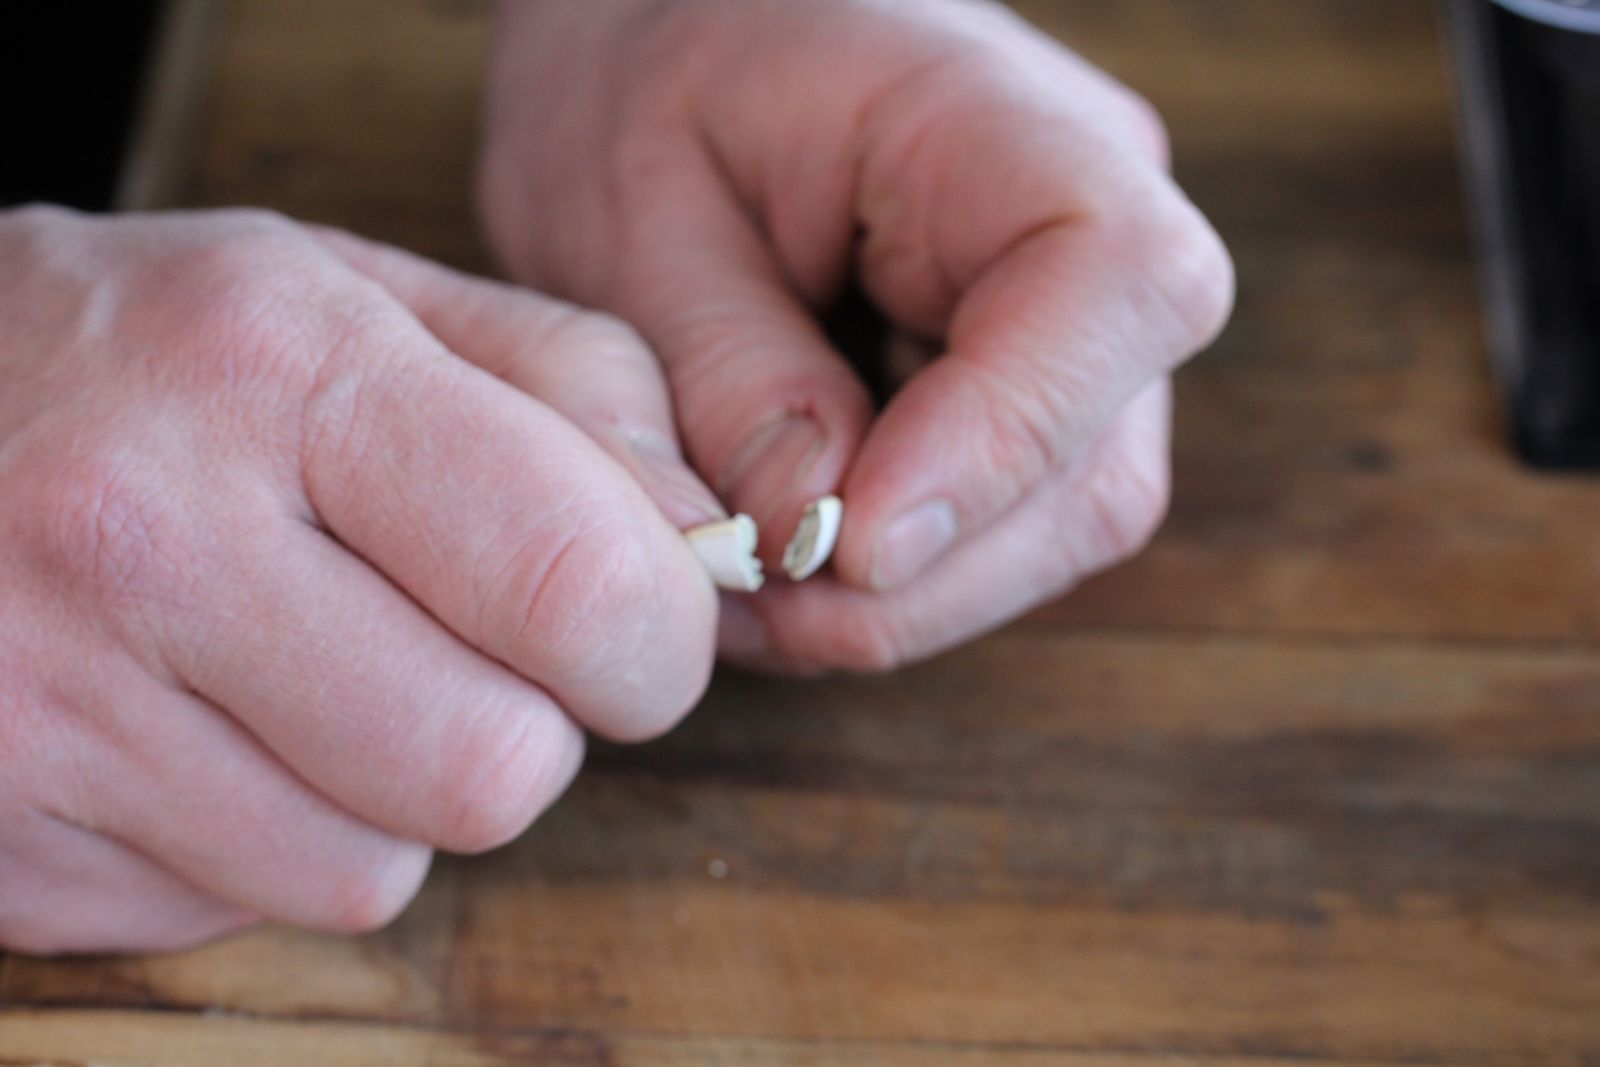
{"points": [[317, 556], [297, 578], [718, 172]]}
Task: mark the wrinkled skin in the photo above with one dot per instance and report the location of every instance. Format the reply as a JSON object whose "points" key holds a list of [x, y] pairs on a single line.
{"points": [[715, 171], [291, 592], [315, 557]]}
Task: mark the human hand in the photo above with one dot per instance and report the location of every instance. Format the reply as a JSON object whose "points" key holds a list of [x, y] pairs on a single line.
{"points": [[290, 593], [717, 172]]}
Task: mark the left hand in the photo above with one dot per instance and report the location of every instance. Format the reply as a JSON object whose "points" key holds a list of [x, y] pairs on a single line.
{"points": [[717, 171]]}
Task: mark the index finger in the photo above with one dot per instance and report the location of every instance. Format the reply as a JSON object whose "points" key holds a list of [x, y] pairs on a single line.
{"points": [[509, 525], [1069, 271]]}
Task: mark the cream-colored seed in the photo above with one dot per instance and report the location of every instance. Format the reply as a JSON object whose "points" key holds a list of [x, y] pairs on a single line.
{"points": [[727, 549], [814, 538]]}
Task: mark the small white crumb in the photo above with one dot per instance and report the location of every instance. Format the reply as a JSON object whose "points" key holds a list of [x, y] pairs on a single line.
{"points": [[717, 869]]}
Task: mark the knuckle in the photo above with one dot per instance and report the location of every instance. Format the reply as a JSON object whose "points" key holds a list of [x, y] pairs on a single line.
{"points": [[1146, 124], [257, 220], [103, 526], [1190, 273], [590, 334], [266, 305], [238, 249], [504, 773], [32, 219], [603, 345], [1130, 502], [344, 378], [361, 899], [337, 421], [1032, 417], [242, 328], [582, 588], [873, 657], [869, 645], [595, 587]]}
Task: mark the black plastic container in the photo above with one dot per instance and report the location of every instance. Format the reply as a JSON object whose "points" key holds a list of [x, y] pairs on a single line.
{"points": [[70, 76], [1529, 85]]}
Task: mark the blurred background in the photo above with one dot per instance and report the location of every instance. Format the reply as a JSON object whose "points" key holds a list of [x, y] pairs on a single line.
{"points": [[1316, 779]]}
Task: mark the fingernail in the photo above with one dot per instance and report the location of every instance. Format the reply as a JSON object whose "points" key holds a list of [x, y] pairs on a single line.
{"points": [[911, 543], [768, 465], [682, 497]]}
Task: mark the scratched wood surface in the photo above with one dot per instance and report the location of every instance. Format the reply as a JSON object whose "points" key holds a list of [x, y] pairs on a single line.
{"points": [[1316, 780]]}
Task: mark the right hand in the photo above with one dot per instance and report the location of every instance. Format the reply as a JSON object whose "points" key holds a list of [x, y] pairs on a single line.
{"points": [[721, 172], [290, 594]]}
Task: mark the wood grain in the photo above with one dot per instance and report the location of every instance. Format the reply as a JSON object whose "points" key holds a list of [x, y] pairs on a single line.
{"points": [[1315, 780]]}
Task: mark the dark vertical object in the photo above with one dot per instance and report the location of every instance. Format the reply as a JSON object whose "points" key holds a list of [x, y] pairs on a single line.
{"points": [[70, 75], [1529, 74]]}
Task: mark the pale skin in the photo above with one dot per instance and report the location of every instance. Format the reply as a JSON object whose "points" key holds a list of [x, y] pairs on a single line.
{"points": [[317, 557]]}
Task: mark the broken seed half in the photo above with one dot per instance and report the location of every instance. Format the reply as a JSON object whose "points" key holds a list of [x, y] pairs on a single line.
{"points": [[814, 538], [727, 548]]}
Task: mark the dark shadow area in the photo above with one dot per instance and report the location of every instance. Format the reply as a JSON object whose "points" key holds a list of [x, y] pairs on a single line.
{"points": [[70, 78]]}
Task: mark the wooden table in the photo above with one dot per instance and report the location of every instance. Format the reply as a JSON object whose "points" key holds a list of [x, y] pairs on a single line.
{"points": [[1316, 780]]}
